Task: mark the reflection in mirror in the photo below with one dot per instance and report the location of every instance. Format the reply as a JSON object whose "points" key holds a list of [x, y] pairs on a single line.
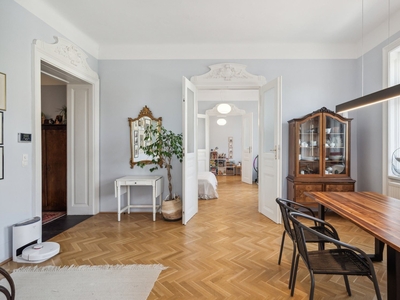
{"points": [[137, 134]]}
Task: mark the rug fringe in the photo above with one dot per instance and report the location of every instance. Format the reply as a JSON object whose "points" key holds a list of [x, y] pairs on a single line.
{"points": [[89, 267]]}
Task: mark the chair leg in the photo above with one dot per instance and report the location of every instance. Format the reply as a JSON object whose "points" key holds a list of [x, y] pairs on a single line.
{"points": [[312, 287], [10, 295], [280, 252], [292, 265], [5, 292], [294, 274], [346, 281], [376, 285]]}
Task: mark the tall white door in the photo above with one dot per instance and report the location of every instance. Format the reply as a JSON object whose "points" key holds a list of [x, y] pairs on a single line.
{"points": [[270, 136], [190, 205], [247, 148], [80, 168]]}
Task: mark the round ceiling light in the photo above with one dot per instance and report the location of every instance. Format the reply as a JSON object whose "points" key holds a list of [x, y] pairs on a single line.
{"points": [[221, 122], [224, 108]]}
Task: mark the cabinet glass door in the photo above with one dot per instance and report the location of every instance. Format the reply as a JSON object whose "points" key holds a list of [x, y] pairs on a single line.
{"points": [[309, 146], [335, 147]]}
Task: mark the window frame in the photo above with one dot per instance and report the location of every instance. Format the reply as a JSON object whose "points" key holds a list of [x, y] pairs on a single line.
{"points": [[391, 76]]}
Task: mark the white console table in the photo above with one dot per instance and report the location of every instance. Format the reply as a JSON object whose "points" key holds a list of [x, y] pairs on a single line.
{"points": [[124, 184]]}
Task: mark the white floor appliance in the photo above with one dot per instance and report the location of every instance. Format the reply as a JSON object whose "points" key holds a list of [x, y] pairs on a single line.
{"points": [[27, 243]]}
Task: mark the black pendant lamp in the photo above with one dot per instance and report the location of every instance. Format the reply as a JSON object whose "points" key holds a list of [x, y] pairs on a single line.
{"points": [[376, 97], [379, 96]]}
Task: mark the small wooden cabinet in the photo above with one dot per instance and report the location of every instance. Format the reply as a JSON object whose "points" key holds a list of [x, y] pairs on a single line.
{"points": [[54, 168], [238, 170], [230, 168], [319, 155]]}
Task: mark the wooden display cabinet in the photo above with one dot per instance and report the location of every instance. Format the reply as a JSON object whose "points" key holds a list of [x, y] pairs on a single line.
{"points": [[319, 155]]}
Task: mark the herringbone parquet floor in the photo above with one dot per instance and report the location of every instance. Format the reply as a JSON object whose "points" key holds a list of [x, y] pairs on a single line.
{"points": [[227, 251]]}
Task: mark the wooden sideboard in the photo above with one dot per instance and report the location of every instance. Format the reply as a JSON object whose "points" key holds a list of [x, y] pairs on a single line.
{"points": [[54, 167]]}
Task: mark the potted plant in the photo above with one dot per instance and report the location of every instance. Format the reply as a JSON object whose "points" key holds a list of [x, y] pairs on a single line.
{"points": [[63, 113], [162, 145]]}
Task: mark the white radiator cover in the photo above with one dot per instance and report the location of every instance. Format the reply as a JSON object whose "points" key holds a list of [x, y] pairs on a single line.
{"points": [[394, 188]]}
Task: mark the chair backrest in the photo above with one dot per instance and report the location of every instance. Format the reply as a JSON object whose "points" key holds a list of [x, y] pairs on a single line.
{"points": [[284, 206], [300, 238]]}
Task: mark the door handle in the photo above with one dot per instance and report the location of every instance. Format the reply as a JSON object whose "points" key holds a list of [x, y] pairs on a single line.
{"points": [[275, 151]]}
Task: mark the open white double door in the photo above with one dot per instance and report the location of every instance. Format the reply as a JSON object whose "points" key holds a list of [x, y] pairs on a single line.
{"points": [[269, 157]]}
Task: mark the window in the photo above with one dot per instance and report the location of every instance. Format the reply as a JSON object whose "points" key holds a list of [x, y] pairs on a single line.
{"points": [[393, 112]]}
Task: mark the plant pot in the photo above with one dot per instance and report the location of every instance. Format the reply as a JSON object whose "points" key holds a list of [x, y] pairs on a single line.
{"points": [[172, 209]]}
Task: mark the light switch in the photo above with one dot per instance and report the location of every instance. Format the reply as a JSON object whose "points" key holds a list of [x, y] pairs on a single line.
{"points": [[24, 160]]}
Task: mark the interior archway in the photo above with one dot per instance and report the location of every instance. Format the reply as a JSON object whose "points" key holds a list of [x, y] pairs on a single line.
{"points": [[230, 83], [69, 61]]}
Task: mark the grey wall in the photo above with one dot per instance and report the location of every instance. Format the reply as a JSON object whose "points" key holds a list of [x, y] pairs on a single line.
{"points": [[219, 134], [367, 137], [18, 29], [126, 86], [54, 97]]}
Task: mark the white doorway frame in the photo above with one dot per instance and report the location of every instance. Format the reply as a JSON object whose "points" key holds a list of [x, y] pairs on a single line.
{"points": [[227, 81], [71, 60]]}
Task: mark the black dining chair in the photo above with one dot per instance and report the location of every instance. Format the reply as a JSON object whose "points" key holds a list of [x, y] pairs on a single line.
{"points": [[343, 260], [286, 206], [10, 295]]}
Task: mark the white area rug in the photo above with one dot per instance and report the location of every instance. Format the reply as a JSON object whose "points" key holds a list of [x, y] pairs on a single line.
{"points": [[85, 282]]}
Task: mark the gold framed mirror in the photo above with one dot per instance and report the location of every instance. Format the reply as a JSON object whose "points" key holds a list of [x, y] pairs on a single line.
{"points": [[137, 135]]}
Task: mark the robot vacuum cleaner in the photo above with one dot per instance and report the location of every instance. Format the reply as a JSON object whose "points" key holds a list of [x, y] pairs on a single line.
{"points": [[38, 253], [27, 242]]}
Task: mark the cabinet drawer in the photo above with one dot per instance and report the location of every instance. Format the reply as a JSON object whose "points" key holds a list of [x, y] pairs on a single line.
{"points": [[138, 182], [300, 189], [339, 188]]}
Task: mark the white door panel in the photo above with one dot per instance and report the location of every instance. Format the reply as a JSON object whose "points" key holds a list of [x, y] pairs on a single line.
{"points": [[268, 207], [189, 162], [80, 200], [202, 144], [270, 136], [202, 163], [247, 148]]}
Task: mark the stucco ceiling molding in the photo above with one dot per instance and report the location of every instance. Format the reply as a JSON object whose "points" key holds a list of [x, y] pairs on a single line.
{"points": [[228, 76], [68, 53]]}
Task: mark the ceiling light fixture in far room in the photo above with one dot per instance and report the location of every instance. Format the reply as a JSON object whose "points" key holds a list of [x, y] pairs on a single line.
{"points": [[221, 122], [373, 98], [224, 108]]}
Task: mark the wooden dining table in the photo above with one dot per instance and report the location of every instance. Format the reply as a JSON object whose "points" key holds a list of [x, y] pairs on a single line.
{"points": [[377, 214]]}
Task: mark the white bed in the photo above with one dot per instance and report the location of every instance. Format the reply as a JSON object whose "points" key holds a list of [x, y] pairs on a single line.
{"points": [[207, 185]]}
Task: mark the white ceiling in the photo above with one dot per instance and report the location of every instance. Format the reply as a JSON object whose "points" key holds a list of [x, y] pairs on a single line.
{"points": [[221, 28]]}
